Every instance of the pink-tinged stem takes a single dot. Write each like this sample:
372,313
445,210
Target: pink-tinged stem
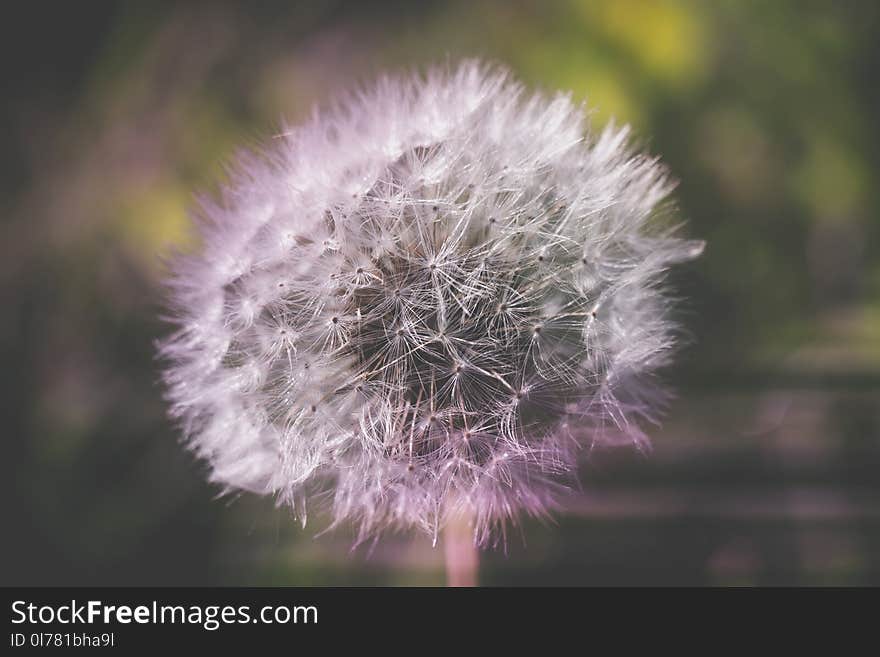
462,557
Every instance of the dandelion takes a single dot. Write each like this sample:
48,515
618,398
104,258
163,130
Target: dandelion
423,304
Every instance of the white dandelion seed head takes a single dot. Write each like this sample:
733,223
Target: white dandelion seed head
425,302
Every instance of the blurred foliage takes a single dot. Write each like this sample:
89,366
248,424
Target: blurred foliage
767,470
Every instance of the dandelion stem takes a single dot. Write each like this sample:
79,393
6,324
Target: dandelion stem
462,557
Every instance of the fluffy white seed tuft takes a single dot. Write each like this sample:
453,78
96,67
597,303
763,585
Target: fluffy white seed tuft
425,302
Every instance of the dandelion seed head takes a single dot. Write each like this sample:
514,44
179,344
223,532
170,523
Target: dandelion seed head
425,301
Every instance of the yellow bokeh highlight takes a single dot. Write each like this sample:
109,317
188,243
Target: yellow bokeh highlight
152,220
665,37
587,76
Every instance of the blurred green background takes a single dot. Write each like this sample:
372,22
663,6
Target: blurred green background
767,469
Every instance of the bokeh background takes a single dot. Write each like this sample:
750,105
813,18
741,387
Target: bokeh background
767,469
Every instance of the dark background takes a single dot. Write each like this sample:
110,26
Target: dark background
767,468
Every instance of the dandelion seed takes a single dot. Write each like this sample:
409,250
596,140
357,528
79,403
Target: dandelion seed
463,290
